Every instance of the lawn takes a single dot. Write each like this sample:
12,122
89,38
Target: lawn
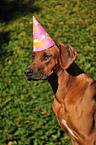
26,116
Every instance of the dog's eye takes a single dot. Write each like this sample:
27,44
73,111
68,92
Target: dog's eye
46,56
33,56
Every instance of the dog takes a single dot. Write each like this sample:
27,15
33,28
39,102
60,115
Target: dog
75,91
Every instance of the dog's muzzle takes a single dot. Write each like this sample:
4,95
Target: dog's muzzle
33,74
28,72
36,74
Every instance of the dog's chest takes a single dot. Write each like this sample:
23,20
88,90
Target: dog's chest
62,117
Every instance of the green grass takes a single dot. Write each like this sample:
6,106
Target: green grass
26,107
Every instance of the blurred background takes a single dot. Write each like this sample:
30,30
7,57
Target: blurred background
26,116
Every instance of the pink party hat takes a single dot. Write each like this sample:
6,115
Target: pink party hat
41,39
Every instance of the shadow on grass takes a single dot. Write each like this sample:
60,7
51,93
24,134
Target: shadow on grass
10,10
4,38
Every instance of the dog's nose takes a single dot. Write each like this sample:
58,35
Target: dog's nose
28,72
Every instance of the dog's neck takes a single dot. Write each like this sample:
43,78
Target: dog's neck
53,80
60,81
67,75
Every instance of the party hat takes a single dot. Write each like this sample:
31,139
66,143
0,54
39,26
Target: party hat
41,39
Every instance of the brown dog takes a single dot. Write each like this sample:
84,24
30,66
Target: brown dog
75,91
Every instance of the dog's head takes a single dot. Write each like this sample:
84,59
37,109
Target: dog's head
50,60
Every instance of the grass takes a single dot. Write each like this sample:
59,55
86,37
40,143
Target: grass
26,107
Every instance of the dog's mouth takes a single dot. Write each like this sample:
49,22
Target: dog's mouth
39,77
37,74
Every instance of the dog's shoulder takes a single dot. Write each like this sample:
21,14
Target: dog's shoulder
90,82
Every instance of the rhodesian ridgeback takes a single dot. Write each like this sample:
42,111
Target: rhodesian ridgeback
75,91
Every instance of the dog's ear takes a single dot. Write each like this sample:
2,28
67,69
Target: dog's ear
67,55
